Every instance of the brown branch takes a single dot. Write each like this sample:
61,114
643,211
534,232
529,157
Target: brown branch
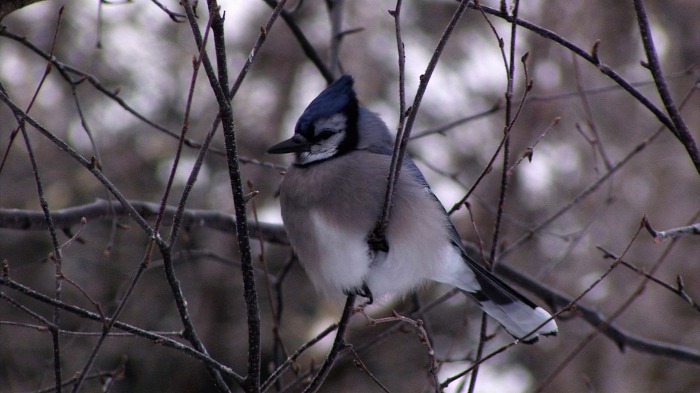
446,127
693,229
274,233
422,337
361,365
151,336
680,129
624,339
101,210
607,71
378,234
338,345
678,290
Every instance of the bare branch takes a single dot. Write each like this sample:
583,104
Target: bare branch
100,209
679,289
607,71
621,337
377,237
422,337
446,127
693,229
680,129
151,336
338,345
304,42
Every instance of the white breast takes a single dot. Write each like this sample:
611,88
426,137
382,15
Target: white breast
342,258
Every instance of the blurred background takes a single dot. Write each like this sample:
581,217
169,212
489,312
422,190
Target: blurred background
581,122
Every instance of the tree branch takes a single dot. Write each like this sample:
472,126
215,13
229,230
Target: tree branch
100,209
607,71
338,346
274,233
153,337
680,129
378,235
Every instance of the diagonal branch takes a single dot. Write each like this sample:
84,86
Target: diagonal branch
304,42
153,337
378,235
338,345
680,130
89,165
592,58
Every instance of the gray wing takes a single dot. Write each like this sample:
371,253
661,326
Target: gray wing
518,315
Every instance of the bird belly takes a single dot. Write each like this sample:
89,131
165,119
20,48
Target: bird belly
413,259
340,259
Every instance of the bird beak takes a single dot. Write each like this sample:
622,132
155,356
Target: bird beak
295,144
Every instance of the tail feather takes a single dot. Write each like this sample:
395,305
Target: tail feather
519,316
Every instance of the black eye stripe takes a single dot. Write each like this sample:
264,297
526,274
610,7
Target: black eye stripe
325,134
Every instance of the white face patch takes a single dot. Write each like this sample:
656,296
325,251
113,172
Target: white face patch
325,148
335,123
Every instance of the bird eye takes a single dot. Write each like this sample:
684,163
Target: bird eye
326,134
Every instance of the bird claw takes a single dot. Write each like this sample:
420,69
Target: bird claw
377,242
362,291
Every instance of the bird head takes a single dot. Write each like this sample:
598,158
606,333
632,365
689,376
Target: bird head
328,126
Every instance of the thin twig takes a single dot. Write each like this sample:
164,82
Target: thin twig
607,71
101,375
338,345
378,235
596,184
680,129
509,64
678,290
275,311
693,229
81,333
264,31
306,46
596,141
607,322
359,363
291,359
423,310
174,16
149,335
446,127
55,256
529,151
422,337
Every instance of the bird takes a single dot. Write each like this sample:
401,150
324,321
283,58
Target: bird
332,196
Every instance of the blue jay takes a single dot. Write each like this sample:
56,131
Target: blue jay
332,197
